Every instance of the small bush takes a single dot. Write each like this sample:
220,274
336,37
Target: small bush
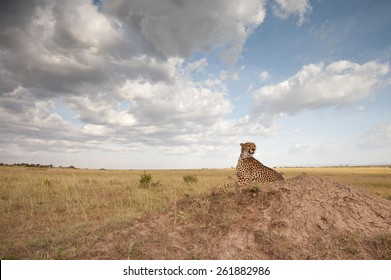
146,181
189,179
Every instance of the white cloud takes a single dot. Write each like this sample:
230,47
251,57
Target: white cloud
214,83
181,103
302,148
100,110
286,8
244,128
95,130
317,86
264,76
198,65
156,113
378,137
27,116
225,76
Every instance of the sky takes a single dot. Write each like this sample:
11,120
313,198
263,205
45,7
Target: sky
176,84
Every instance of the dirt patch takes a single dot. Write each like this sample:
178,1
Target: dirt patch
305,217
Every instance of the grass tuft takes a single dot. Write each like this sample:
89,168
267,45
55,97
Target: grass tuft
190,179
381,245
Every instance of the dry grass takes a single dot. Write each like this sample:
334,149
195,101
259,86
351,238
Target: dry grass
49,213
41,208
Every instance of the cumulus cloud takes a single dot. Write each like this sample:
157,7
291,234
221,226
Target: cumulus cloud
71,47
76,76
57,48
183,100
92,60
286,8
179,28
25,114
136,112
318,85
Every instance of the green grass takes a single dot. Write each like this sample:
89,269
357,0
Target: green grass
46,213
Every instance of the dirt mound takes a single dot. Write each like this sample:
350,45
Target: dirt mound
302,218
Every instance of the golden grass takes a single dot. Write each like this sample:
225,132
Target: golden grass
46,212
42,206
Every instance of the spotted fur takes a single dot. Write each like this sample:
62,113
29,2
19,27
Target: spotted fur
250,170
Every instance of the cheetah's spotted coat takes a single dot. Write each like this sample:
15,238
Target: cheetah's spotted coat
250,170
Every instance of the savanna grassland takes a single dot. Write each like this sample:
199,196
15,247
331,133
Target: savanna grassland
51,213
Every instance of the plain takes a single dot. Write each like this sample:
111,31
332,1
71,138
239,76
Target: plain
48,213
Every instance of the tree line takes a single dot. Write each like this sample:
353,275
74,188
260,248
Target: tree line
36,165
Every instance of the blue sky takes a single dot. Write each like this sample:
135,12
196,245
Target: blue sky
179,84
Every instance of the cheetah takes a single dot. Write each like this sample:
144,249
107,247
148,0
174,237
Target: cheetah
250,170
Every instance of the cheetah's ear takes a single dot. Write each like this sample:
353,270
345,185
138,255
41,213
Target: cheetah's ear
241,144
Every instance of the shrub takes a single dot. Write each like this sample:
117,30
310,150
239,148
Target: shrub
190,179
146,181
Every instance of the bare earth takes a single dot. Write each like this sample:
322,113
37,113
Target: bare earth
305,217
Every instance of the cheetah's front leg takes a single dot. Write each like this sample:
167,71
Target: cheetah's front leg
243,182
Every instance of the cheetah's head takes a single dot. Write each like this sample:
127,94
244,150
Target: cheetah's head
248,149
